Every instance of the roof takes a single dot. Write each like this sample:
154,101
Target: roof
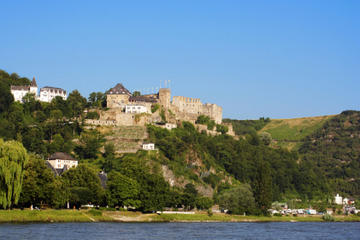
33,82
119,89
61,156
24,88
52,88
142,99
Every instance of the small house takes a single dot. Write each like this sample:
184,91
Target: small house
59,162
135,108
338,199
148,146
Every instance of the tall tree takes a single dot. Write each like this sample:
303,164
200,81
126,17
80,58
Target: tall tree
262,185
76,103
122,190
40,185
13,158
84,185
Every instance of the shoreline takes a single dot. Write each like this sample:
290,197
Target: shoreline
69,216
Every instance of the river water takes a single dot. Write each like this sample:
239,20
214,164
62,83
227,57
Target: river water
186,231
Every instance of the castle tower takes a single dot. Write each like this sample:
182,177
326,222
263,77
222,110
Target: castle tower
33,87
164,97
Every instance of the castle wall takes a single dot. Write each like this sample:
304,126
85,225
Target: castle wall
213,111
117,100
164,97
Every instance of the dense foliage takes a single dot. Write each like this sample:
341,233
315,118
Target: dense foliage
335,149
243,127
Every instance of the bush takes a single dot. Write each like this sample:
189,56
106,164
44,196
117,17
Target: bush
95,212
328,218
92,115
154,107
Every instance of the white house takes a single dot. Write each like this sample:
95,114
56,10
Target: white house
345,201
170,126
338,199
135,109
61,162
20,91
47,94
148,146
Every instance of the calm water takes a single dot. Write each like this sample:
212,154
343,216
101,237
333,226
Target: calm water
188,231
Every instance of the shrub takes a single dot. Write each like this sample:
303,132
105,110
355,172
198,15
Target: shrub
328,218
95,212
154,107
92,115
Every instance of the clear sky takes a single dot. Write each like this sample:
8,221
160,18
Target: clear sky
278,59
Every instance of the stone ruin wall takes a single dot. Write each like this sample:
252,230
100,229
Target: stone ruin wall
117,100
192,108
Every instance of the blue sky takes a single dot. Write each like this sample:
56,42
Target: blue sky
278,59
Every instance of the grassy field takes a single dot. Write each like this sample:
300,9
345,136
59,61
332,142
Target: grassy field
288,133
22,216
19,216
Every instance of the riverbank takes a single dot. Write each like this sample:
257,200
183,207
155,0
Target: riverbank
25,216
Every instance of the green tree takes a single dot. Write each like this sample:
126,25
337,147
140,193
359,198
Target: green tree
136,94
262,186
76,103
84,185
238,200
40,185
265,137
90,143
13,158
204,203
6,98
122,190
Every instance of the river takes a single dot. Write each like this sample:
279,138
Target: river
186,231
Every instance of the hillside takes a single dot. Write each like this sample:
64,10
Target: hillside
335,148
290,133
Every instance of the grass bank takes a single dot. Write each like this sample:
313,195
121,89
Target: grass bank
20,216
23,216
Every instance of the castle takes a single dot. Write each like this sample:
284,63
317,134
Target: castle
177,108
47,94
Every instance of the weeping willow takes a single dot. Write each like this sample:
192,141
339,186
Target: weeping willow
13,158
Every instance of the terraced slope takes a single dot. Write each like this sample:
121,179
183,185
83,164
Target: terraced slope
290,133
126,139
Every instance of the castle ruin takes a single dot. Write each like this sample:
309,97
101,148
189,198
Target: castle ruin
179,108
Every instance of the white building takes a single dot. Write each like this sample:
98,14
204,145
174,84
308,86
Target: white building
20,91
135,109
148,146
170,126
47,94
338,199
61,162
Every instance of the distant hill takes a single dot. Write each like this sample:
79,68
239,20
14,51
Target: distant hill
335,149
290,133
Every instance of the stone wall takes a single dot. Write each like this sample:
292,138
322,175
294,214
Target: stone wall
192,108
164,97
117,100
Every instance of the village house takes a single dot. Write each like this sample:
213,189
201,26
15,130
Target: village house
338,199
60,162
136,108
20,91
148,146
47,94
